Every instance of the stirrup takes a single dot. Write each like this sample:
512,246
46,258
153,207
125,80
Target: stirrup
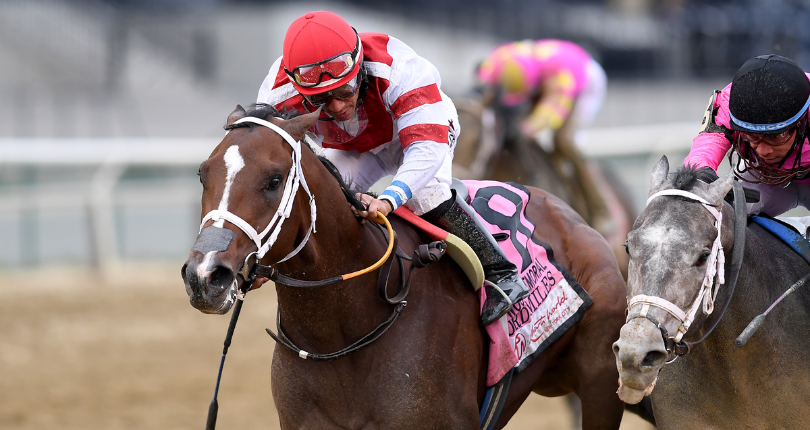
496,306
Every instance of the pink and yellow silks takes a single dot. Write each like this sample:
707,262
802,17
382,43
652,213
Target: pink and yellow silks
522,69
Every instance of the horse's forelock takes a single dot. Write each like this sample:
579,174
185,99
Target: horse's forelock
685,178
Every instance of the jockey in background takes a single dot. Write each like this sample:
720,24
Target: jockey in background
565,87
762,116
383,113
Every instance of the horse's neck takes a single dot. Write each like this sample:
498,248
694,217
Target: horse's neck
768,269
330,315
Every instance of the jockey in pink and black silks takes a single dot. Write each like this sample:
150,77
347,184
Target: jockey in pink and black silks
762,117
383,113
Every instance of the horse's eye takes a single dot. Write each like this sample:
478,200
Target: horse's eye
274,183
626,248
702,259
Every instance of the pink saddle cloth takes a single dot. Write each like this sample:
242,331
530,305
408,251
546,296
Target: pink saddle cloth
556,300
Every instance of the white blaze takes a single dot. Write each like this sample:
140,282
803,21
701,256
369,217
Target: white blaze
234,163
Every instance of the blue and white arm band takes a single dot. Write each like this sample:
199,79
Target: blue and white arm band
397,193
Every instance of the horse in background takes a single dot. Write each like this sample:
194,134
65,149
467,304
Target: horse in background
681,250
428,369
492,147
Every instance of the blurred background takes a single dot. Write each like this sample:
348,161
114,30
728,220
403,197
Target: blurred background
108,107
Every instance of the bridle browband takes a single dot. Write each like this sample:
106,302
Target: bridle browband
675,345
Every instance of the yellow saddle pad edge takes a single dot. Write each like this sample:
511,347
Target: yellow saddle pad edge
464,256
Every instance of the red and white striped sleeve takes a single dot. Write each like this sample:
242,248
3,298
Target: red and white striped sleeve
278,91
414,97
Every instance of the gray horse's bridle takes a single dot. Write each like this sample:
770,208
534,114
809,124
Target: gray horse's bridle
715,270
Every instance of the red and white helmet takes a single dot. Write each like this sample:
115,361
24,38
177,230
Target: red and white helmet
321,52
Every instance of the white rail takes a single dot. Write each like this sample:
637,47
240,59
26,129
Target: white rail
89,152
108,159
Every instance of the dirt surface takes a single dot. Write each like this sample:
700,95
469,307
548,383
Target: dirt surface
79,351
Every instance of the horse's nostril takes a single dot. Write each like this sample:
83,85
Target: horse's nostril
221,278
653,359
183,272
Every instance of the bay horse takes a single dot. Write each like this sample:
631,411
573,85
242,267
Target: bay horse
428,370
684,251
493,147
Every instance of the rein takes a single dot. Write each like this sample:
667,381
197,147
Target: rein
424,255
675,345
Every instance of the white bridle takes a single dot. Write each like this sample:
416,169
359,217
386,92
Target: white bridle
715,266
294,178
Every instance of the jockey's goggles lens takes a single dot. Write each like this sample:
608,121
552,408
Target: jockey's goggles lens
768,139
312,75
342,92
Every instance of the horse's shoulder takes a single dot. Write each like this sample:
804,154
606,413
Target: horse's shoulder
551,213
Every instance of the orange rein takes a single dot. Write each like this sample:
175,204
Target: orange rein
381,219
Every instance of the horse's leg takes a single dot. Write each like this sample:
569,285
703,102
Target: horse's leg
594,362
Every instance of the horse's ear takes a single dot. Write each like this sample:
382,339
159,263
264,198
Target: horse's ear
719,188
236,115
659,174
299,125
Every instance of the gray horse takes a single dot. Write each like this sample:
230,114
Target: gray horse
674,281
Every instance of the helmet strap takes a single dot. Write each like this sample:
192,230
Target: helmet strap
767,174
363,83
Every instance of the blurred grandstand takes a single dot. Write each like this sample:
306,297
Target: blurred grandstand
107,107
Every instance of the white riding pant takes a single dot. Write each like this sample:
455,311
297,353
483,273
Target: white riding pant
589,101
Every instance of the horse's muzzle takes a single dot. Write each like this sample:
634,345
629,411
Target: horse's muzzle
640,355
211,284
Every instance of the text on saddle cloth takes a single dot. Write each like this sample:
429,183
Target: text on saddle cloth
556,300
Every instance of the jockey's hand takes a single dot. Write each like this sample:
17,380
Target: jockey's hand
532,125
372,207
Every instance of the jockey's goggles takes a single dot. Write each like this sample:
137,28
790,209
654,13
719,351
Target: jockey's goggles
311,75
342,92
768,139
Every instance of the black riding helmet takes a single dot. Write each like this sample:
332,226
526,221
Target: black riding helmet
768,95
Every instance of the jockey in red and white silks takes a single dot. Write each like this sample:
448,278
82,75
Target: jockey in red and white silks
403,125
383,113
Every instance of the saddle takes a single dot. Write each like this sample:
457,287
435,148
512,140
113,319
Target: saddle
792,231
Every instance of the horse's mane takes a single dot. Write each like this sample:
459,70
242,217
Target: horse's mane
264,111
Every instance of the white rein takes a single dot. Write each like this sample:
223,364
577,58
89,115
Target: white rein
715,266
294,178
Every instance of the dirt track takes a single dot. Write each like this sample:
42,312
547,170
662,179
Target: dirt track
80,352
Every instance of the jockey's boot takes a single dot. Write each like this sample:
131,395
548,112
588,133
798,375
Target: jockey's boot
505,286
